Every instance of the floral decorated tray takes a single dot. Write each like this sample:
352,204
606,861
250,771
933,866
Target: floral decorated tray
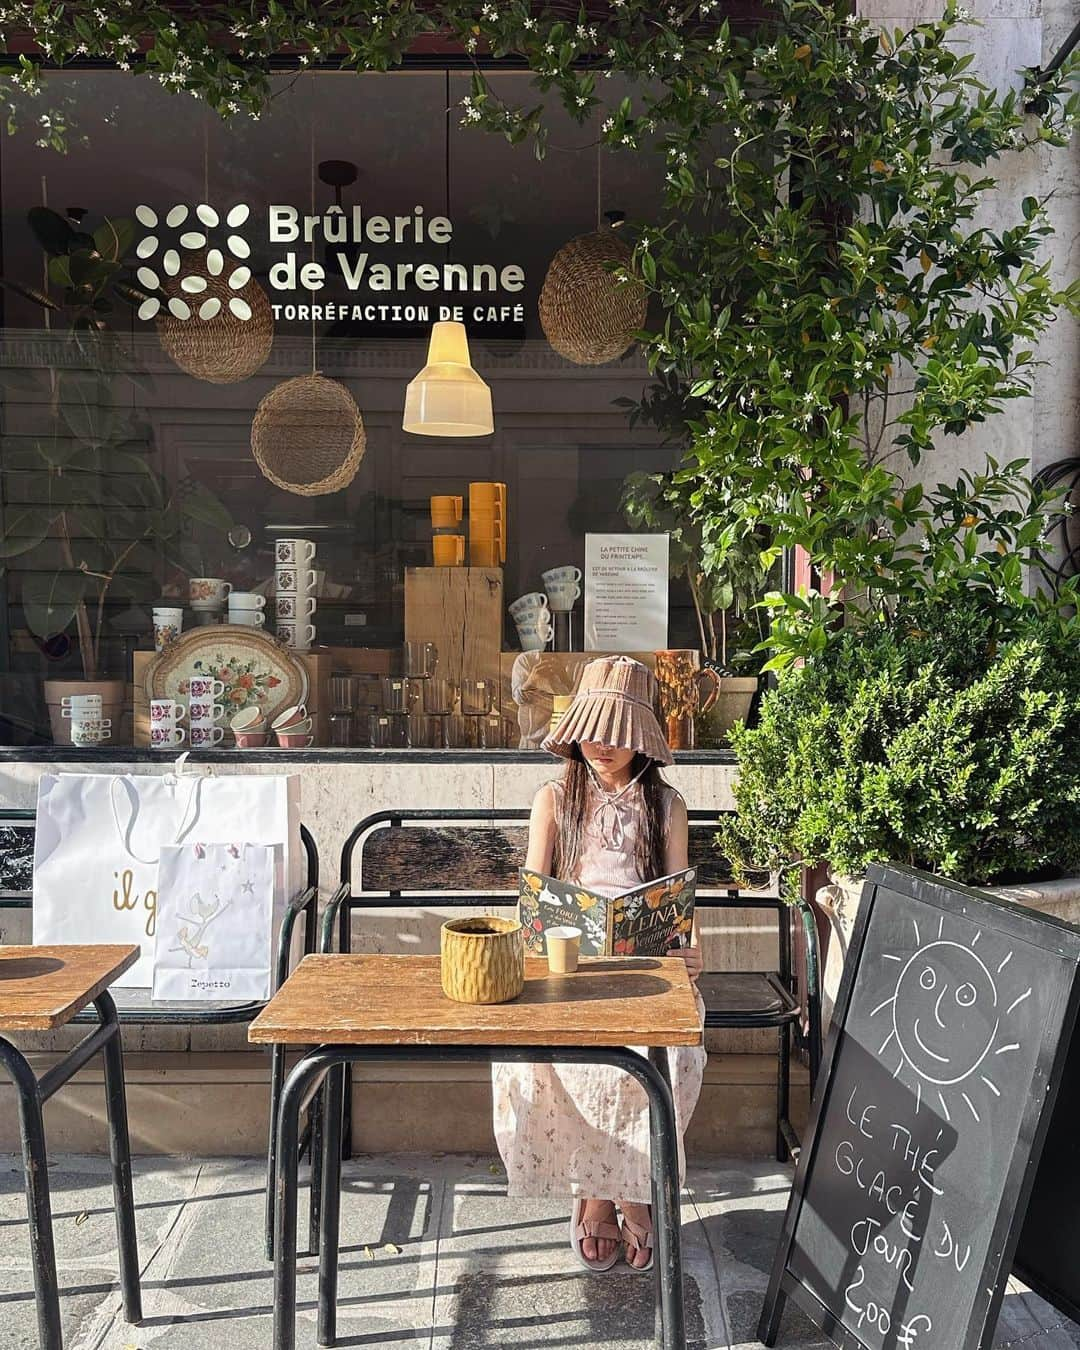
256,669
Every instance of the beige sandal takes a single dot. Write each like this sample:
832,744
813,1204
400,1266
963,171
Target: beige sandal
593,1228
637,1239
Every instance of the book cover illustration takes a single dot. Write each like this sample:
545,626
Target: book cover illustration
648,920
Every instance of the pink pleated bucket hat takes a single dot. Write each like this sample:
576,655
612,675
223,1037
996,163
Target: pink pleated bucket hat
614,705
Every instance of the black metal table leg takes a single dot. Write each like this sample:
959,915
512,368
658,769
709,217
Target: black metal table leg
293,1095
120,1160
39,1210
667,1220
330,1217
652,1073
277,1079
315,1115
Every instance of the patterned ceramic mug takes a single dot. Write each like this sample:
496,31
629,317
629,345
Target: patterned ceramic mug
205,713
206,735
91,731
299,636
303,579
208,592
165,735
202,687
292,605
164,710
294,551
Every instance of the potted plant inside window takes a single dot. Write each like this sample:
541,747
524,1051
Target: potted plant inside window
96,521
726,575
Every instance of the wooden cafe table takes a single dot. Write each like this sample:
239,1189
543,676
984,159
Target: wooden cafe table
356,1007
42,988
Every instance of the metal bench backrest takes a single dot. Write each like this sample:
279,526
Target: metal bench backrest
469,857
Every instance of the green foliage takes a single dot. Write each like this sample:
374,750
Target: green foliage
945,739
829,304
98,505
724,583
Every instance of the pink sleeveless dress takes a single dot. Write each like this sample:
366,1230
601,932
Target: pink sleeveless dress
582,1129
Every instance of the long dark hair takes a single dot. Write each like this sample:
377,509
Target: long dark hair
571,817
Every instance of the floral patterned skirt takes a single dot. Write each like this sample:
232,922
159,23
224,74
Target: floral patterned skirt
583,1129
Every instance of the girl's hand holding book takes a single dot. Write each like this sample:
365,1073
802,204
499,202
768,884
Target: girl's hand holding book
692,957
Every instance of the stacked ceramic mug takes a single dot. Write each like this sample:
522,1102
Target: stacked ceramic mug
205,712
88,726
294,595
246,608
533,618
165,714
563,587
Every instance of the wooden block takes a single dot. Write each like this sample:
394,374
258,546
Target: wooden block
460,609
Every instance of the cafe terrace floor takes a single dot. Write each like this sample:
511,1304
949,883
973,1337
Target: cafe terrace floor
434,1256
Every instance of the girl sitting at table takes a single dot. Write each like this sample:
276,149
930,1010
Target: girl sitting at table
608,824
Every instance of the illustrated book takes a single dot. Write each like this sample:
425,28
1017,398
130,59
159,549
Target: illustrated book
648,920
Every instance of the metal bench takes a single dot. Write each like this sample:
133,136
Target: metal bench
470,858
16,892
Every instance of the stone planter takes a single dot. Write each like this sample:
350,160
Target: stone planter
839,902
113,695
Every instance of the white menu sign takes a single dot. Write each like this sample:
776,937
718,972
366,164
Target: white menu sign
626,592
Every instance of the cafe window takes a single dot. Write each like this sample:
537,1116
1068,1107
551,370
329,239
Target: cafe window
161,424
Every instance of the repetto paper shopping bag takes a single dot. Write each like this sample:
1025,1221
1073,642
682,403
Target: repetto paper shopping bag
215,921
99,838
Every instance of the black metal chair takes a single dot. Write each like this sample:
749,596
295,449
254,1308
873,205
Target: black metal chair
16,881
468,858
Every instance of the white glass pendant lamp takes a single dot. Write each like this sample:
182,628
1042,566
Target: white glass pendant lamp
448,398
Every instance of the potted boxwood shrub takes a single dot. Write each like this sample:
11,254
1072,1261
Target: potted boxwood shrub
725,584
99,521
942,736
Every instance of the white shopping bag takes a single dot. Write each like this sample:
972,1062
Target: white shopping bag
215,921
99,838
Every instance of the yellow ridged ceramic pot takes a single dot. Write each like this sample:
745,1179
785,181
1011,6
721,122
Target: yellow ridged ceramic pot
483,959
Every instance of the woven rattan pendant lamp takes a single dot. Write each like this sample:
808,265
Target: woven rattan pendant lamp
587,314
307,435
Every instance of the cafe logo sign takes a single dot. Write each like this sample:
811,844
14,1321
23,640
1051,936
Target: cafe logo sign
480,291
193,238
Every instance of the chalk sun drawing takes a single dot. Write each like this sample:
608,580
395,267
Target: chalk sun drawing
947,1013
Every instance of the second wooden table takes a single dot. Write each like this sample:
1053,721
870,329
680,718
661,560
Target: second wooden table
392,1007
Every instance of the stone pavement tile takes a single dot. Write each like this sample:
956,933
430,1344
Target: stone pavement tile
741,1207
383,1294
506,1276
84,1233
1030,1322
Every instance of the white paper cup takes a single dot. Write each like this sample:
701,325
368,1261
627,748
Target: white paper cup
563,949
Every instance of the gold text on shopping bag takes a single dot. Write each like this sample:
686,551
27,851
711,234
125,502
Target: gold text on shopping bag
125,897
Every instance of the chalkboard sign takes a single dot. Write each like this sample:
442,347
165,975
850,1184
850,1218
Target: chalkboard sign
953,1021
